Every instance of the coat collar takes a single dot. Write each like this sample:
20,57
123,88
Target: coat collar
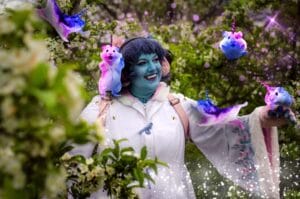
160,95
152,106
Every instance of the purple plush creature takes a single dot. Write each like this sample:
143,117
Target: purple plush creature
233,45
213,114
63,24
111,66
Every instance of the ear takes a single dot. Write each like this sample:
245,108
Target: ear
226,34
165,67
238,35
103,47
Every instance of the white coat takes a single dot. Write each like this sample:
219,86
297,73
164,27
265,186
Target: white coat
239,153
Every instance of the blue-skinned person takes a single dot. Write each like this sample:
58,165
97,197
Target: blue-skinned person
247,153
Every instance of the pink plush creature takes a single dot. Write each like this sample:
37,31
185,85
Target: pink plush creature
111,67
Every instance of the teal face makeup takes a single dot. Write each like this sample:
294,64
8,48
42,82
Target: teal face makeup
146,77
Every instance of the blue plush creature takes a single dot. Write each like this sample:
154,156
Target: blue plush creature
214,114
63,24
233,45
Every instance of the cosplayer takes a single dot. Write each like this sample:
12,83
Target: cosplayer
245,150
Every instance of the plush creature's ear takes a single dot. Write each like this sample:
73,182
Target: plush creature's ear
238,35
226,34
103,47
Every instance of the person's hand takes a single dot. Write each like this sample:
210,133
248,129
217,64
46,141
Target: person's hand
277,116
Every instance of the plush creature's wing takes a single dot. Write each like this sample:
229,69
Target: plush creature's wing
63,24
213,114
51,13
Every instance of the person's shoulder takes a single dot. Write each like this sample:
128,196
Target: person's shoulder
180,96
186,102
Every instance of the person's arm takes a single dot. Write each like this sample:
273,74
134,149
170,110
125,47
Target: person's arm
241,150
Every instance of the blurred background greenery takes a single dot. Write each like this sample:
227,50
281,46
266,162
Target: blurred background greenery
191,30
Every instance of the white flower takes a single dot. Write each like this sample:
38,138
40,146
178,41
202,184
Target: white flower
6,26
66,157
55,183
89,161
95,173
75,104
57,133
83,168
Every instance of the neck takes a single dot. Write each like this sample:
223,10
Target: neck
142,94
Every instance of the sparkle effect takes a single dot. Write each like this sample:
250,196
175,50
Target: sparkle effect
271,22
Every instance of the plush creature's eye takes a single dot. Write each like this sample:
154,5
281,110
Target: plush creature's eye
276,94
106,50
114,51
228,37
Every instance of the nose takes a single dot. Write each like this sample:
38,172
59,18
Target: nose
152,66
232,43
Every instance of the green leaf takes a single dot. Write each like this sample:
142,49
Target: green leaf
48,98
139,175
39,75
78,158
127,149
116,149
148,177
143,153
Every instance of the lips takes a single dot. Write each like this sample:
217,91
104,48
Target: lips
151,77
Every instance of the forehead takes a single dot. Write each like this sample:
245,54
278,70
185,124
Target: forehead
147,56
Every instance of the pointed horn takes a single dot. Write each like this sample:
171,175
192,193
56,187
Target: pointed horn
206,94
233,25
111,40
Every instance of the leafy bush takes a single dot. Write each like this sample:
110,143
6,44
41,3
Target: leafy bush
118,170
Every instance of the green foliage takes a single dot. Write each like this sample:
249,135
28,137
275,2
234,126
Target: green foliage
118,170
273,54
40,105
198,63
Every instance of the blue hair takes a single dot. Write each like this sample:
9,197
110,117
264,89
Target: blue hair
133,48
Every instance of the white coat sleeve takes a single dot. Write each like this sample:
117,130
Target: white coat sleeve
89,114
241,150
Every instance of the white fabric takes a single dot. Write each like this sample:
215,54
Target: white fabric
127,116
268,170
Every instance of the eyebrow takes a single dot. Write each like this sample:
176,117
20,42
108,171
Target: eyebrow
144,59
